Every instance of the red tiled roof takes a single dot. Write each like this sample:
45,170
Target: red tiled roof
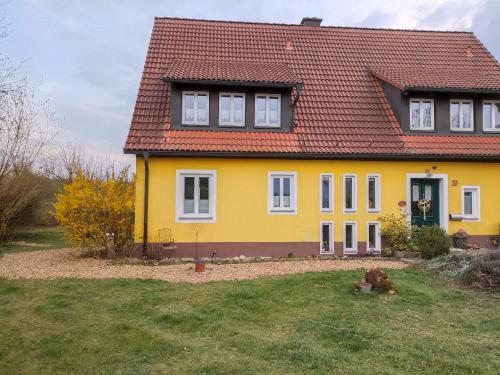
235,71
342,109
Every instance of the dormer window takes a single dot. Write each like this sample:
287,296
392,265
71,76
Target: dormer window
268,110
231,109
422,114
491,116
195,107
461,117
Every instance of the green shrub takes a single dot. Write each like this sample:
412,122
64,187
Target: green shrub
432,241
397,232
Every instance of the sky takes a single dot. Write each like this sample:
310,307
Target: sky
86,56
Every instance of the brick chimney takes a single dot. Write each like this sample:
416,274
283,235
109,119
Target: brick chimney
311,21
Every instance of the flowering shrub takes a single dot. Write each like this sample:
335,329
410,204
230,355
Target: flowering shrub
398,234
98,214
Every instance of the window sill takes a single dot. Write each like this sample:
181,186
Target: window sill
373,211
195,219
350,211
277,126
424,130
231,125
350,251
195,124
282,212
461,130
471,218
491,131
326,211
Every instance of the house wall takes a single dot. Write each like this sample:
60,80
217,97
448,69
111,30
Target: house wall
243,225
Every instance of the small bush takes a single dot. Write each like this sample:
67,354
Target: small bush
484,270
398,234
379,280
432,241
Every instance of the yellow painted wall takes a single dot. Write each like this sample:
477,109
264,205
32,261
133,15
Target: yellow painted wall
242,197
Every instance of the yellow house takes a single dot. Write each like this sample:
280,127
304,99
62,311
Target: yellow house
270,139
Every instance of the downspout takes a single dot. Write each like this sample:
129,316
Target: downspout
146,195
298,89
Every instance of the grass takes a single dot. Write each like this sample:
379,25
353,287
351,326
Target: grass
302,324
51,236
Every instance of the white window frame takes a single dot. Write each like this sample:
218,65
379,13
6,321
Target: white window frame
332,238
180,216
231,122
292,210
354,208
421,121
268,124
195,122
330,176
354,249
476,203
460,102
378,238
492,119
377,208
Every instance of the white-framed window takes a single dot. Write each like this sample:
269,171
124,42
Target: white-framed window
350,193
231,109
461,115
326,192
491,116
195,107
373,237
282,192
421,114
268,110
471,203
350,237
373,192
195,195
327,239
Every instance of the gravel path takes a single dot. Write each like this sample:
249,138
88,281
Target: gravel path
64,263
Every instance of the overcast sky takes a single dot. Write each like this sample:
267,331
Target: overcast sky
86,56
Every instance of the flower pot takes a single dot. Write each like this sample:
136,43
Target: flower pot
199,265
365,288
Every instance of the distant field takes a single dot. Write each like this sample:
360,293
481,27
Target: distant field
49,237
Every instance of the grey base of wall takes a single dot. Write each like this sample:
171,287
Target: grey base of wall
250,249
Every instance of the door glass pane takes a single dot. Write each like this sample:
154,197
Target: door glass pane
225,108
348,236
428,192
325,229
273,110
276,192
487,116
189,107
325,192
238,109
455,115
371,193
189,195
468,203
204,194
415,196
466,115
202,108
348,193
497,116
261,110
372,238
286,192
415,115
426,108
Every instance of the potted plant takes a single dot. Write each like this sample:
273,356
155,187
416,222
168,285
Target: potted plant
363,287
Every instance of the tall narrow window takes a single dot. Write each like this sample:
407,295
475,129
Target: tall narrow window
231,109
282,192
421,114
350,237
491,116
326,193
195,196
373,192
350,193
268,110
195,108
471,202
461,117
326,237
373,240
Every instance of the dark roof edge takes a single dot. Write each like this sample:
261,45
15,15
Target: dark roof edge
455,90
231,83
296,156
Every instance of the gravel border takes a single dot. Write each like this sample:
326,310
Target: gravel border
65,263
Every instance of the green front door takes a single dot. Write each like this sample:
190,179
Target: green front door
424,201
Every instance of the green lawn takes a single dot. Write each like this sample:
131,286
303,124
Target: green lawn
302,324
51,236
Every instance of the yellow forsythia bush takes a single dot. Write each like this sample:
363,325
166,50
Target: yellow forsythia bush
98,214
